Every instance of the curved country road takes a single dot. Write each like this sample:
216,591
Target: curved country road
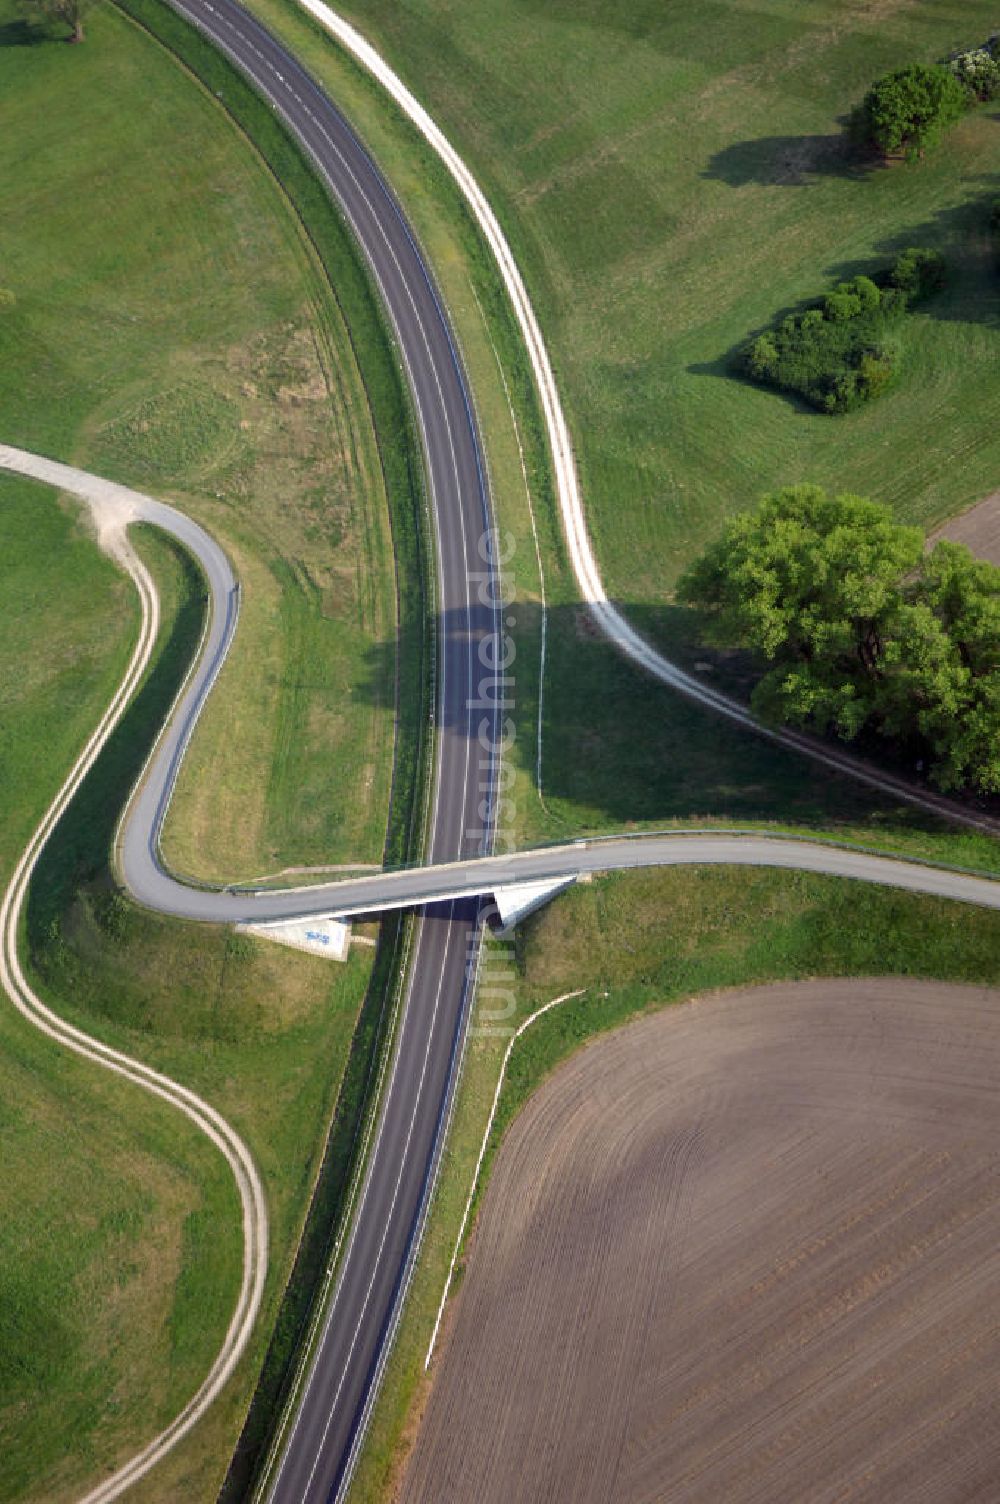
319,1450
442,880
612,622
114,507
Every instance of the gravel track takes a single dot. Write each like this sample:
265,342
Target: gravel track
113,507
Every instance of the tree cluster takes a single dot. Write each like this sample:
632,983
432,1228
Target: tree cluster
908,111
864,631
838,353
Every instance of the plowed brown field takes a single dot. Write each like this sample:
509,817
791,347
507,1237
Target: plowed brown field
744,1251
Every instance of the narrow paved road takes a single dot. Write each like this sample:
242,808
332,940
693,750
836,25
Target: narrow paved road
342,1382
318,1451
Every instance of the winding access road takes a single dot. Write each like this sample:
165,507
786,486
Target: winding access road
317,1453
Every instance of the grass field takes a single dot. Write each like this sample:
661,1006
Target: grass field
184,339
617,750
636,942
669,183
672,178
629,307
121,1249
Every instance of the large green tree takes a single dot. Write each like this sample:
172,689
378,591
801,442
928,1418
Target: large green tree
860,629
908,111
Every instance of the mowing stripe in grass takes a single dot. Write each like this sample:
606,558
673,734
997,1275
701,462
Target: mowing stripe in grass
607,617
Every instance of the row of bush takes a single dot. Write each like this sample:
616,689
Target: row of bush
839,353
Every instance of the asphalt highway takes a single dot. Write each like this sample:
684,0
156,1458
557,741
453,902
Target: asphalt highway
373,1272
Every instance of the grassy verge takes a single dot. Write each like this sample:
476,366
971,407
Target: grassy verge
258,426
118,1217
602,765
392,672
630,215
264,1035
636,942
701,186
407,660
185,339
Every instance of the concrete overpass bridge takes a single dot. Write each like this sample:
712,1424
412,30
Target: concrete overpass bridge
519,883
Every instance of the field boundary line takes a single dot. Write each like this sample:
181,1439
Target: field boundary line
532,1018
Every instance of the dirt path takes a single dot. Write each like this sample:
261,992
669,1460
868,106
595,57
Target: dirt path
978,529
743,1250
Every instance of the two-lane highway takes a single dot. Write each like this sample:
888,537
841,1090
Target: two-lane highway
431,1033
374,1266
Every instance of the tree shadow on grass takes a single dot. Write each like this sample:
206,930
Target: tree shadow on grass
727,366
971,295
971,251
789,161
630,749
619,748
77,853
23,34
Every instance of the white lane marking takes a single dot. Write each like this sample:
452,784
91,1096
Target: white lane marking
471,982
532,1018
373,1158
462,384
317,1317
348,171
233,53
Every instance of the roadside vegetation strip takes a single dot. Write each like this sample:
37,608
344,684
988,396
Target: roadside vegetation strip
612,623
207,361
358,1101
278,1396
348,281
98,970
543,634
210,1122
638,941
